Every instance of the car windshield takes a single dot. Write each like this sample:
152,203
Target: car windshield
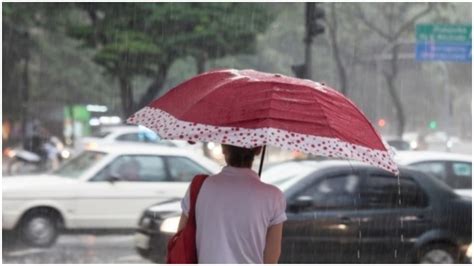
100,134
280,173
284,174
78,165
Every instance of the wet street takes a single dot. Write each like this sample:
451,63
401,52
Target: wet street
76,249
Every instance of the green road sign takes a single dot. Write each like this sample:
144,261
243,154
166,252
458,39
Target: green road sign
451,33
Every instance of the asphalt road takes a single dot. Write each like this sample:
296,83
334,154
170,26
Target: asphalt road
117,249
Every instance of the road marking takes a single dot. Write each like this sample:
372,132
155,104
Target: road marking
25,252
130,258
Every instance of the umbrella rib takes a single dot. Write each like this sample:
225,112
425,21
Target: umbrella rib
323,112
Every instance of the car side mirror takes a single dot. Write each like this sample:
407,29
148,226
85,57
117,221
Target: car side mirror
113,178
301,203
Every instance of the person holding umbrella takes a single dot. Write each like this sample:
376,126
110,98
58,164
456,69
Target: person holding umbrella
239,219
236,218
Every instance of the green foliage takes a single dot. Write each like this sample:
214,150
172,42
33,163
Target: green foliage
167,31
144,39
56,73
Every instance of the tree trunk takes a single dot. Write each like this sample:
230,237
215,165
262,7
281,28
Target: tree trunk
391,78
341,69
25,95
392,36
155,87
201,63
126,95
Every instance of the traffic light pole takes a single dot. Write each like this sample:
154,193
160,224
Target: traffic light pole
308,40
313,28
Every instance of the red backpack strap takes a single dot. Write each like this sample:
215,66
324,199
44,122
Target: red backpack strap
196,185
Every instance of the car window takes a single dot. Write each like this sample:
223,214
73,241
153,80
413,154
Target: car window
335,192
135,168
381,192
280,173
183,169
129,137
462,169
462,176
100,134
149,137
78,165
437,169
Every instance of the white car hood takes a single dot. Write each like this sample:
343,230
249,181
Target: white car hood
33,186
172,206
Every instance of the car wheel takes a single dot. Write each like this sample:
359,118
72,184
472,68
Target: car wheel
439,254
39,229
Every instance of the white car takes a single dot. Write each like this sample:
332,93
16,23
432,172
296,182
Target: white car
453,169
130,134
102,188
124,133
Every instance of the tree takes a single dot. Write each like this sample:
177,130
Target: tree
118,33
144,39
399,19
43,70
17,45
333,30
20,25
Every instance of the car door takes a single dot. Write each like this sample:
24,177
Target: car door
116,195
326,230
395,212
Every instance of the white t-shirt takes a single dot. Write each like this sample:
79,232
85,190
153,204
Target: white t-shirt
234,210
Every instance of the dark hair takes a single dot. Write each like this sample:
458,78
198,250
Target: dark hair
238,156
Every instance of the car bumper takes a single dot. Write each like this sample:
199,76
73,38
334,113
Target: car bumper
152,245
9,220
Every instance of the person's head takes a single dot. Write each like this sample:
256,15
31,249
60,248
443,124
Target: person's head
238,156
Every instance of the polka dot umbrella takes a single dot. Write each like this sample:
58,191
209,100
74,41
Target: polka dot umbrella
248,108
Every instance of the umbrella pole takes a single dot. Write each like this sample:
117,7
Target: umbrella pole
261,160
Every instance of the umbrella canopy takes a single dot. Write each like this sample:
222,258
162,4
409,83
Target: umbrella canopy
248,108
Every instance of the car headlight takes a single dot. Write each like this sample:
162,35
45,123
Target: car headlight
469,252
10,153
91,145
170,225
413,144
217,152
146,222
65,154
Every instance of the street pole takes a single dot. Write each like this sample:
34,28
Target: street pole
25,95
448,101
308,40
313,27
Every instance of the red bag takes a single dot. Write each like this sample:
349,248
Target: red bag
182,246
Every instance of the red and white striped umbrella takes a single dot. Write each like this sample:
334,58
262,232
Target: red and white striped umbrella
248,108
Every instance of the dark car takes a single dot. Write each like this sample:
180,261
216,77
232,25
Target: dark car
340,212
